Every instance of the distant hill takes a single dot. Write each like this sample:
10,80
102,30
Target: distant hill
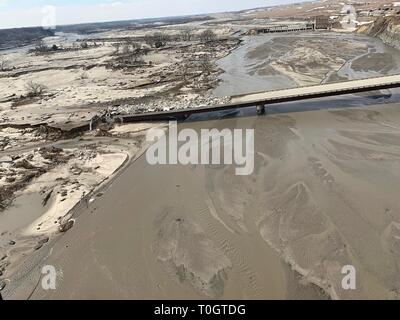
88,28
11,38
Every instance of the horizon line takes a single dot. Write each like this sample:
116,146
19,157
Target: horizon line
150,18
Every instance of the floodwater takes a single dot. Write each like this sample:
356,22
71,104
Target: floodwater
25,209
187,244
58,39
323,195
259,53
16,216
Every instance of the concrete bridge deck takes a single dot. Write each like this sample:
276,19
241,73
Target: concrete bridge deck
286,28
277,96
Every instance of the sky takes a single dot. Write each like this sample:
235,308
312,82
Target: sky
22,13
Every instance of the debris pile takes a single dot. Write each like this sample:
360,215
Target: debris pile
168,105
15,137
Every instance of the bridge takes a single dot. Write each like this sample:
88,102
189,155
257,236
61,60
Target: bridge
262,99
286,28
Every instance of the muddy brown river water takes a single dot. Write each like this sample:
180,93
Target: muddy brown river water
270,62
323,195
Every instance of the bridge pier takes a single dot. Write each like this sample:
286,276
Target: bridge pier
260,109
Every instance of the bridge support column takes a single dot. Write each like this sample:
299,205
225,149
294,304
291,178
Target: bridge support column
260,109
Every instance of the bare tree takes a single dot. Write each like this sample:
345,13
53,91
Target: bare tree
138,56
41,47
134,45
116,45
149,40
206,65
126,49
131,53
145,51
4,65
34,89
185,72
84,75
160,39
187,35
208,36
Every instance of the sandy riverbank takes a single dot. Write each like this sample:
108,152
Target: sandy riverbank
55,182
